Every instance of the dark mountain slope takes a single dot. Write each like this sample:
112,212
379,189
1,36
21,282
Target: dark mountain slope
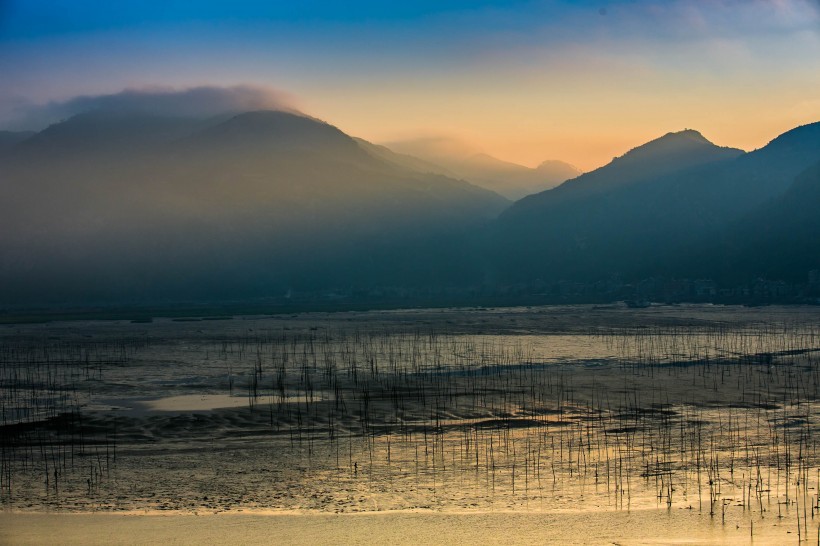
779,240
758,176
619,219
250,204
649,212
662,157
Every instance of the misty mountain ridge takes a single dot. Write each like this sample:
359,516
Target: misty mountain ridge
117,129
134,206
271,196
107,131
658,158
403,160
555,166
296,153
253,155
452,158
649,211
275,131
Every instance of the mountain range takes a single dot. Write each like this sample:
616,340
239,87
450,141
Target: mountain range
652,210
268,197
116,206
452,158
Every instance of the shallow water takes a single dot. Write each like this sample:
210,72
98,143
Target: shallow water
699,410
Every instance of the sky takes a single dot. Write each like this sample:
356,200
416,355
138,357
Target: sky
522,80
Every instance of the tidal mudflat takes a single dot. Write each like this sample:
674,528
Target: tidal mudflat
697,419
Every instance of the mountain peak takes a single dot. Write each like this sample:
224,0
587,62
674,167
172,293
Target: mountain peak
558,168
688,134
261,129
671,144
268,120
669,154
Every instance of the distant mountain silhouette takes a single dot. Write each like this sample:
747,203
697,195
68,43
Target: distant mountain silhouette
759,212
553,169
650,211
274,131
407,161
127,206
508,179
269,197
324,175
617,219
664,156
122,132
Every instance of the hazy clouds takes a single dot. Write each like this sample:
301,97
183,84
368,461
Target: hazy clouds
435,146
199,102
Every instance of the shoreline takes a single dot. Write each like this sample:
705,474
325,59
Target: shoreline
646,526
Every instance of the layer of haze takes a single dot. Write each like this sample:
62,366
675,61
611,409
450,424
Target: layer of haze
196,102
523,81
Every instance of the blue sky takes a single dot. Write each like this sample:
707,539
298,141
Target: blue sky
38,18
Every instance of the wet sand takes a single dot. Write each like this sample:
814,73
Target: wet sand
616,527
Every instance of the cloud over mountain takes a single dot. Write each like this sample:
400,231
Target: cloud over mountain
198,102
